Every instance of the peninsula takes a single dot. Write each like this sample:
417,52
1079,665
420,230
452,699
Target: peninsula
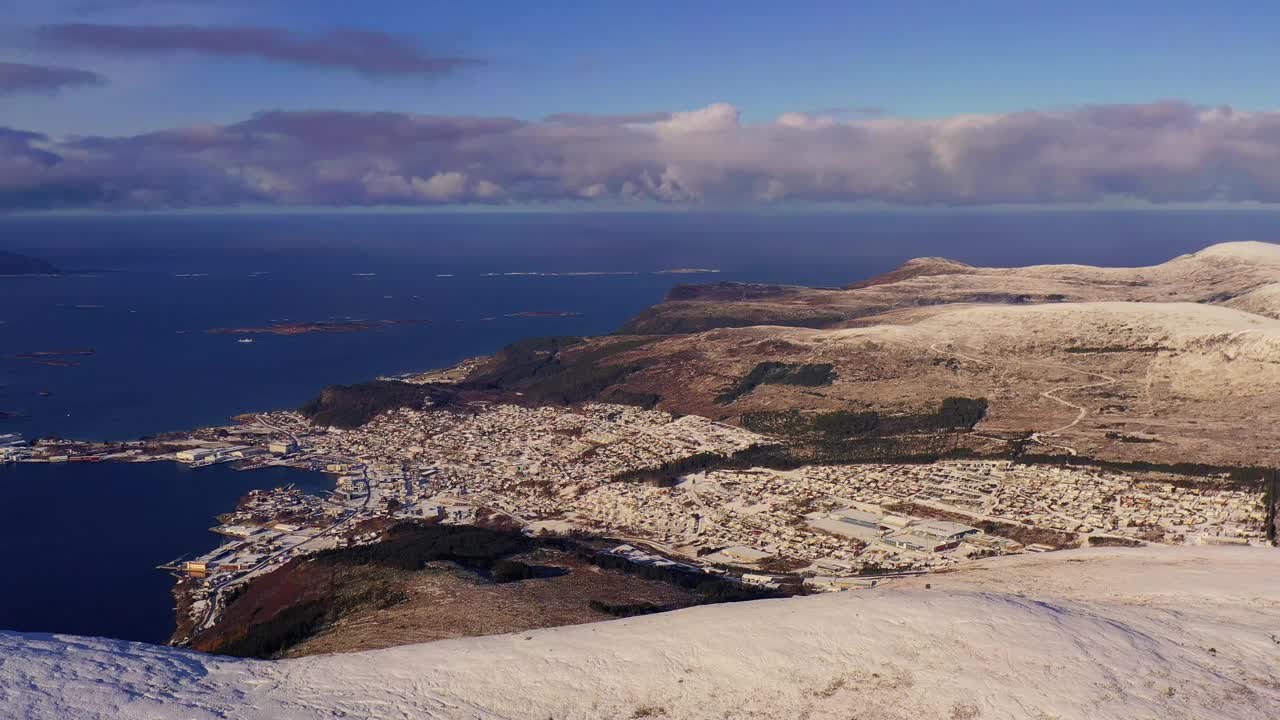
742,441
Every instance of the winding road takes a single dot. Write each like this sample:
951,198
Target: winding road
1051,394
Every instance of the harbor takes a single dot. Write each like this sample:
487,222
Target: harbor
94,532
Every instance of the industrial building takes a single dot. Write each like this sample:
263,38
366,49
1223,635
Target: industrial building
191,455
744,554
860,518
920,543
943,530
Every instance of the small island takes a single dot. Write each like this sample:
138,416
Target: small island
323,326
543,314
54,358
686,271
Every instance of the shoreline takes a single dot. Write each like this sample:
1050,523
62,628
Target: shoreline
93,534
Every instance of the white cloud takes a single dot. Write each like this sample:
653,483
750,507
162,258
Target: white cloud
1159,152
486,190
805,121
720,117
387,186
594,191
441,187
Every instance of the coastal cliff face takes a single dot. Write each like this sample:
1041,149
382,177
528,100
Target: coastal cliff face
1071,635
425,582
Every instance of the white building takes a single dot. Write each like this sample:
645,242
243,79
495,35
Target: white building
191,455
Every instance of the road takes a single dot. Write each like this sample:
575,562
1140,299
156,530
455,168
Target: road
1051,394
1081,410
212,609
292,437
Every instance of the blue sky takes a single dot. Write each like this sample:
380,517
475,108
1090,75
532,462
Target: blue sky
913,59
158,104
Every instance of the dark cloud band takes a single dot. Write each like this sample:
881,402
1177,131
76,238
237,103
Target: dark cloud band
365,51
19,78
1162,152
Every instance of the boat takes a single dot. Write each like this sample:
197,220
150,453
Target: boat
245,340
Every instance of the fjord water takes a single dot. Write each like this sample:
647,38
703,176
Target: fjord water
81,542
161,281
86,538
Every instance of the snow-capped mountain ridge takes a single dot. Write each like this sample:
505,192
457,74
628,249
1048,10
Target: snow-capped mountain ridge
1148,633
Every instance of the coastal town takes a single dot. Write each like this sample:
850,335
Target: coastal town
560,470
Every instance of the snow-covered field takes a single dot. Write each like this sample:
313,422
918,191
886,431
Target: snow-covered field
1126,634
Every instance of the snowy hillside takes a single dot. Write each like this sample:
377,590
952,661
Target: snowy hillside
1125,634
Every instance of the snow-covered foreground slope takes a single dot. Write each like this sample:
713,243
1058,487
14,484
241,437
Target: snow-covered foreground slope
1149,633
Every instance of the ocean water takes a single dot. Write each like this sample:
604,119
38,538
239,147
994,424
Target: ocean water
81,542
155,369
157,283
